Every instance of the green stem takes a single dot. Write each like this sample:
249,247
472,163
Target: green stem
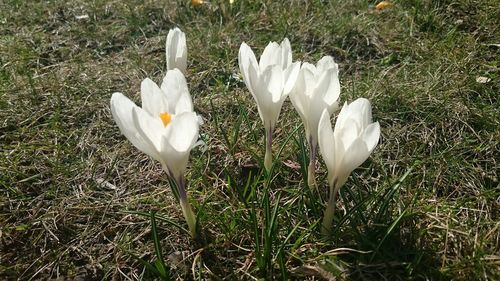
186,207
189,216
326,228
311,169
268,158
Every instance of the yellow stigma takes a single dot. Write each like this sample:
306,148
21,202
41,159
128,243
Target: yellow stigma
166,118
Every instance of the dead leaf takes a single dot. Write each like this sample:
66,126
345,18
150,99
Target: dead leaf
383,5
482,79
291,164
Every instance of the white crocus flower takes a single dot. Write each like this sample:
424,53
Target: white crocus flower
176,50
165,128
317,88
345,147
269,81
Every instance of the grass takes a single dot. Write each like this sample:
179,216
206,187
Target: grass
423,207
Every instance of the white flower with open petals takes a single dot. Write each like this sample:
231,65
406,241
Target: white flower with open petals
165,128
346,147
176,50
317,88
269,81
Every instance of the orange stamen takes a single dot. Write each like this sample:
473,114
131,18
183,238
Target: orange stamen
166,118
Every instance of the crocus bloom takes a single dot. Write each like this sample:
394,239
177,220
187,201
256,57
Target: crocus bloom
269,81
165,128
345,147
176,50
317,88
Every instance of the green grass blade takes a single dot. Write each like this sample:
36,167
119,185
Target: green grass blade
388,232
388,197
236,130
159,217
173,186
160,262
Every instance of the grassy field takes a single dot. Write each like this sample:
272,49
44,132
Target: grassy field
425,206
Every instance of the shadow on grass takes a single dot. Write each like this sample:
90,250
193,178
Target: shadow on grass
401,255
379,237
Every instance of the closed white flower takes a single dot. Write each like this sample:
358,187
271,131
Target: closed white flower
317,88
176,50
269,81
346,147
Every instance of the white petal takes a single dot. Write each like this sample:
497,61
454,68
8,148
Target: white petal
371,135
329,85
170,51
176,50
121,109
175,161
273,78
269,103
181,59
363,109
179,141
312,129
275,111
315,110
321,84
286,54
309,78
246,59
290,77
261,95
343,115
270,56
310,67
348,132
183,131
326,63
299,86
299,97
326,143
151,129
175,88
153,99
355,155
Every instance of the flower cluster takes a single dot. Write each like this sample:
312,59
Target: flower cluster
166,127
314,91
